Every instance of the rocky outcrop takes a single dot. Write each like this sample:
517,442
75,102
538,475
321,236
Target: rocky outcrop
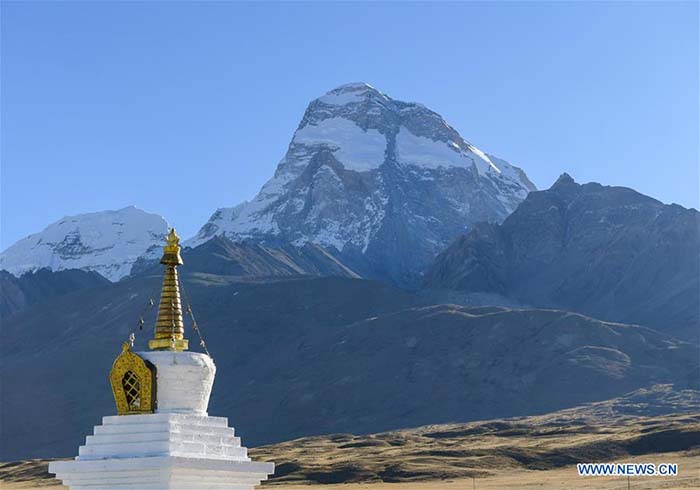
609,252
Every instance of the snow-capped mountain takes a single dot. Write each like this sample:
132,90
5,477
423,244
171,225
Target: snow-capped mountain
386,182
107,242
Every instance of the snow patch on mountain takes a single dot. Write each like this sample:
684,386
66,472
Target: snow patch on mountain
355,148
107,242
426,152
512,172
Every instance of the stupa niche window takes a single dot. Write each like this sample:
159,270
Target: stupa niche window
133,382
132,390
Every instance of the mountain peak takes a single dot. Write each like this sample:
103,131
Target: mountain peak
564,179
356,178
353,87
107,242
351,93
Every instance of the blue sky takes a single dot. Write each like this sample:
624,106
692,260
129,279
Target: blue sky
180,108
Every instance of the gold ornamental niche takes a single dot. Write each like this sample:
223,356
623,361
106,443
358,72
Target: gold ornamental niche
133,382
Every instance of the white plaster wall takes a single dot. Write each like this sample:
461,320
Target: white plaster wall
184,380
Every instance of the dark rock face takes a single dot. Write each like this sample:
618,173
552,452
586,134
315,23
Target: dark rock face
608,252
301,355
19,293
222,256
387,184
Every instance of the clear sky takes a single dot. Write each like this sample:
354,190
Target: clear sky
180,108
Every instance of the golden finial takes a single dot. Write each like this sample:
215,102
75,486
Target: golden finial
170,329
171,255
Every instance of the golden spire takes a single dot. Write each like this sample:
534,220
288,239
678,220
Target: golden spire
170,329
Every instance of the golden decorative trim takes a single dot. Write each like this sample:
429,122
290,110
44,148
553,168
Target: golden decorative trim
133,381
170,328
177,345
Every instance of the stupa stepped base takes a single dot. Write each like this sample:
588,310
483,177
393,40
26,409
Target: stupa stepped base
163,434
161,473
162,451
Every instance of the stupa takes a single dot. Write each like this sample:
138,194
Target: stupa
162,437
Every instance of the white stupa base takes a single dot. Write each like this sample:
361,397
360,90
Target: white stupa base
162,451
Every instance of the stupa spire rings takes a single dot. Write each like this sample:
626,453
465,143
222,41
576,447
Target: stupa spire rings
170,328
